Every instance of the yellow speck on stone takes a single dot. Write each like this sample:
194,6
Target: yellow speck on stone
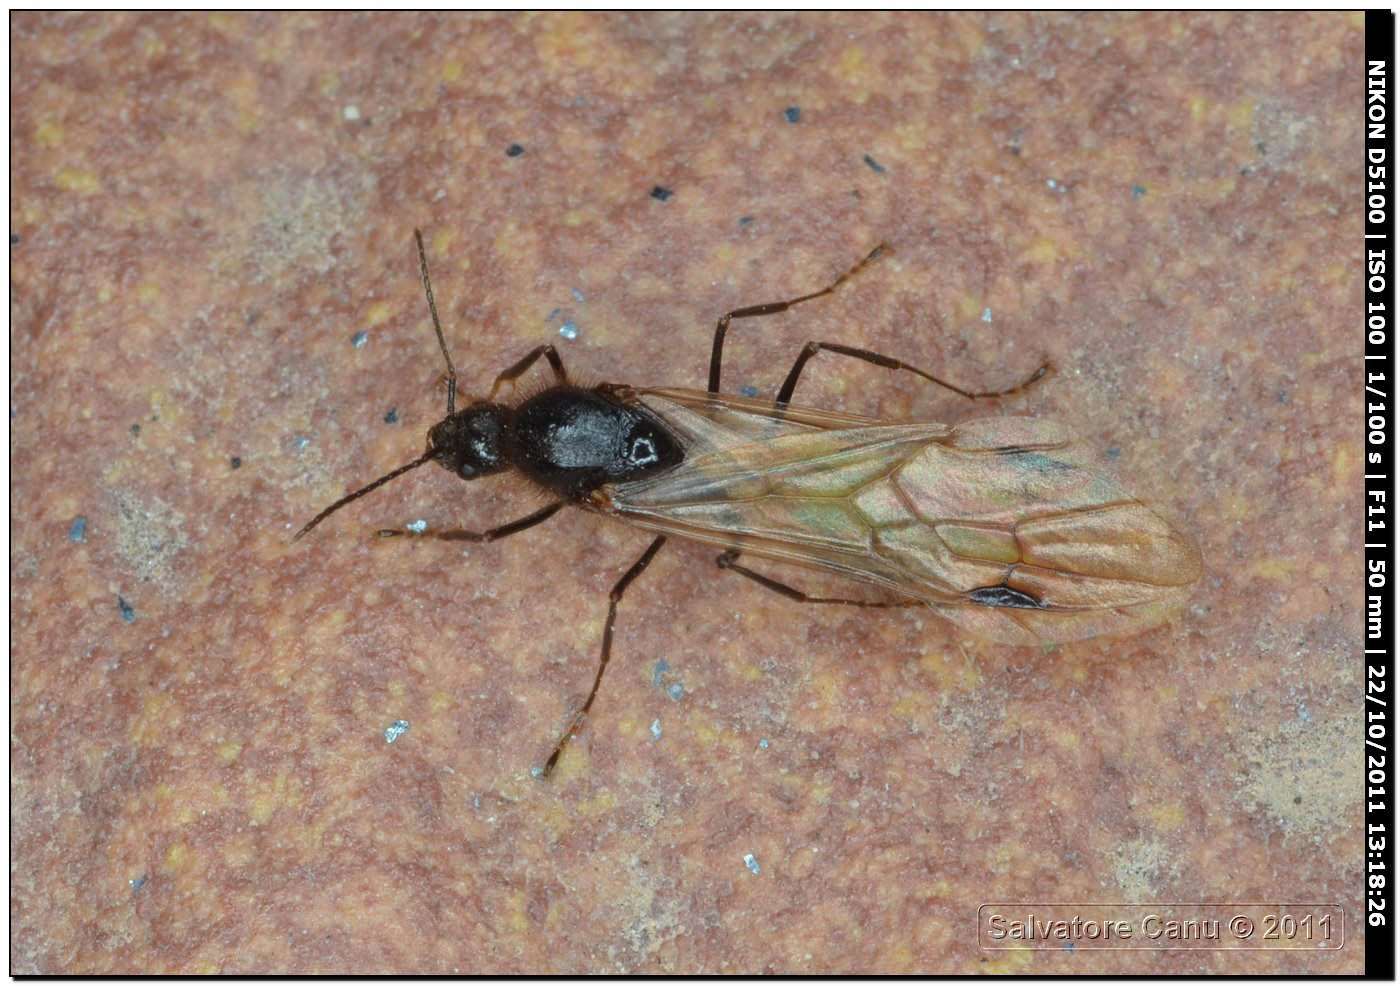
971,36
819,793
1273,567
849,64
1334,273
441,240
601,804
792,784
968,307
440,701
155,719
282,676
104,292
263,807
227,23
519,918
1065,739
1357,18
49,133
1167,817
724,253
1196,108
911,137
229,750
575,217
152,46
1220,189
1236,507
397,689
952,670
913,706
188,812
328,625
177,857
1043,250
206,967
148,291
1344,461
827,688
77,180
1240,115
378,313
1007,963
745,669
451,70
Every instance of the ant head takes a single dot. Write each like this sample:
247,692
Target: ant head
468,442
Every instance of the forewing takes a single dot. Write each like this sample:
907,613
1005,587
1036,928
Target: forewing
1000,523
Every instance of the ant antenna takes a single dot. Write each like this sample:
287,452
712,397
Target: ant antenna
451,405
437,326
393,474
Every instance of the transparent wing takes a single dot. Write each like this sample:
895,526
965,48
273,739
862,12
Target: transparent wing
999,523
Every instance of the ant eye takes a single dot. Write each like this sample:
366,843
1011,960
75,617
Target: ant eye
643,452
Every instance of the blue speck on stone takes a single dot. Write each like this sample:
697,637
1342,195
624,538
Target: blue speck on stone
658,673
300,441
874,165
417,527
77,531
1139,191
745,220
656,729
1113,452
569,330
676,690
395,729
792,113
661,193
578,295
391,416
752,863
763,744
124,607
514,150
359,339
137,883
748,390
986,314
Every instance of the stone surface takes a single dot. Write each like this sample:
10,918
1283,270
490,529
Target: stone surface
206,209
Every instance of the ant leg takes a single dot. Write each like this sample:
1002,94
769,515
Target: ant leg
772,308
480,537
613,598
529,360
728,560
812,348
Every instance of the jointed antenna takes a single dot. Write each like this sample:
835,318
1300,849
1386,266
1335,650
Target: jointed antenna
394,474
437,326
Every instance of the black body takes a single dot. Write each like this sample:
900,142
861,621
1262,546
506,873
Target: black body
568,439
